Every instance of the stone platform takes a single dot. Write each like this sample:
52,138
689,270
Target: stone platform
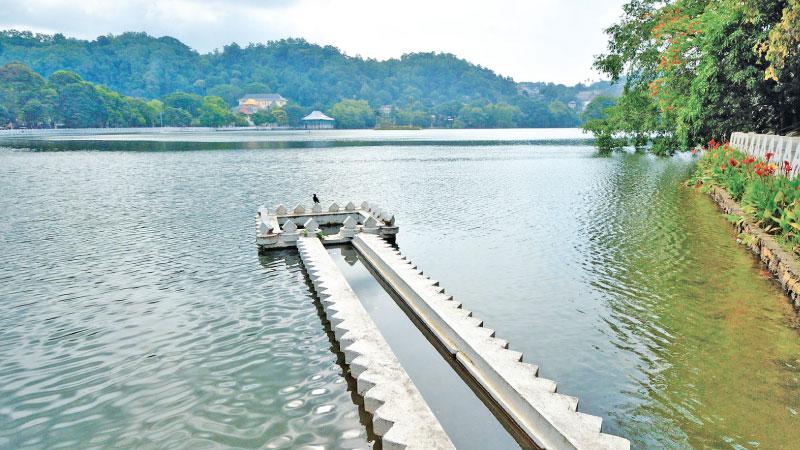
281,228
400,415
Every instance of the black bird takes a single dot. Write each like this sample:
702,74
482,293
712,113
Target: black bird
316,200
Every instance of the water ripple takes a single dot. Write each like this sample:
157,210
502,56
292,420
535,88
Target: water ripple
135,312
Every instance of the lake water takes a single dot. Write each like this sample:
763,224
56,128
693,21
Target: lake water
136,312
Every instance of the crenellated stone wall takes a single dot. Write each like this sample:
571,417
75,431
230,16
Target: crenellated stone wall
283,227
784,148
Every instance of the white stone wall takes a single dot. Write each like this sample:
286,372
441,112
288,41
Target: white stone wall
785,148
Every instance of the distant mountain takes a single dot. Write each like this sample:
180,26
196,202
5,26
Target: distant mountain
312,76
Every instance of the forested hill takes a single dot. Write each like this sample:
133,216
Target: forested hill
314,77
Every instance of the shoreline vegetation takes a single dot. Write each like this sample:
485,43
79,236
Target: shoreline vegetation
766,189
700,70
136,80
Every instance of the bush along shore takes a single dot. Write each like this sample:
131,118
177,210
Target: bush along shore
761,197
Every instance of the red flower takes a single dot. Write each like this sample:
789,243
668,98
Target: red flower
769,155
748,160
722,168
787,168
766,169
733,162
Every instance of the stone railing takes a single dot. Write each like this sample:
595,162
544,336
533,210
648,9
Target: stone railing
783,148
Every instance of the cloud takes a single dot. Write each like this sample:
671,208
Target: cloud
546,40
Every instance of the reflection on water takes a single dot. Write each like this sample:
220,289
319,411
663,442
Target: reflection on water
135,311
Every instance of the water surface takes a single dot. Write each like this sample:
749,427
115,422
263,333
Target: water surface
136,312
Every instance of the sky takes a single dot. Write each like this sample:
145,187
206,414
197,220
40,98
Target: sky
534,40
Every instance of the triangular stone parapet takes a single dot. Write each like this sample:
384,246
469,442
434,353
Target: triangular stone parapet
350,223
299,209
280,210
348,229
350,207
370,225
365,205
317,208
311,225
289,226
334,207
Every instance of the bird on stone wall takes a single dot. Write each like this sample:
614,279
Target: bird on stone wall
316,200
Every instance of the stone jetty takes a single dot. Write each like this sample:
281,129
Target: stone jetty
400,415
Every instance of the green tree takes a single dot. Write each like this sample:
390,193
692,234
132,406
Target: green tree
152,111
502,115
176,117
35,113
62,78
353,114
596,109
186,101
263,117
471,117
81,106
214,112
281,118
227,92
19,85
6,116
562,115
294,114
701,69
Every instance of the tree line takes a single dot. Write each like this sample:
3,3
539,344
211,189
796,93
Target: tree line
64,99
698,70
421,89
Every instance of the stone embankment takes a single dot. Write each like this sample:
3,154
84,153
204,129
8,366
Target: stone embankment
782,265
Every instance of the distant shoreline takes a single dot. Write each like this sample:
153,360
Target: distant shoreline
138,130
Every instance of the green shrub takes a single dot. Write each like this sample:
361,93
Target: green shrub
763,187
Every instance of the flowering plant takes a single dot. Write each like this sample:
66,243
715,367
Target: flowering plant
765,188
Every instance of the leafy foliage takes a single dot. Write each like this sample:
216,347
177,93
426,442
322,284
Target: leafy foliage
701,69
65,99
